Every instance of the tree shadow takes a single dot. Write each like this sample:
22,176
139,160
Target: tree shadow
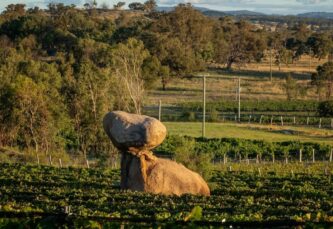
261,74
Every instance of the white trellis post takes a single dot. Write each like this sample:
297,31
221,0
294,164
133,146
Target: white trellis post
261,116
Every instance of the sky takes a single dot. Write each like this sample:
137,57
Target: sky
265,6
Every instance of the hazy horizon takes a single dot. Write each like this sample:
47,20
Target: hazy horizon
283,7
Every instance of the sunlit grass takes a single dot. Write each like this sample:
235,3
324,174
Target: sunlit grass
254,132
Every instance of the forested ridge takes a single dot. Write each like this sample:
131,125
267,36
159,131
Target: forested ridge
63,68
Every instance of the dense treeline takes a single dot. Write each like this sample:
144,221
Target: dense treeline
63,68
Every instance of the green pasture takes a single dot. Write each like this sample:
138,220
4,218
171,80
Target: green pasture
253,132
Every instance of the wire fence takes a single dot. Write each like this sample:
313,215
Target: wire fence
176,113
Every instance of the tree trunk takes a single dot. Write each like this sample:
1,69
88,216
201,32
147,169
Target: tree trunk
329,89
229,65
164,83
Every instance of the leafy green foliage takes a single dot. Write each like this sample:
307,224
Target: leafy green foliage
187,154
239,197
325,109
323,79
183,147
291,87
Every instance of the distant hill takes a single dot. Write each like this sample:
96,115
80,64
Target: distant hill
244,13
247,13
325,15
170,8
217,13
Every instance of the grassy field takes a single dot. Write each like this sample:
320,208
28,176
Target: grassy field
222,86
246,131
255,83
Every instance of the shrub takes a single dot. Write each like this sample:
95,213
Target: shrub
188,116
214,115
187,154
325,109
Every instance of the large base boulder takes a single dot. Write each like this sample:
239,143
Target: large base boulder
134,133
160,176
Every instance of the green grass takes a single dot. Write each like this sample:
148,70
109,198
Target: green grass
257,132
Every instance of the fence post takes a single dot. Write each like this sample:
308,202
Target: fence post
281,121
326,171
257,159
250,119
307,121
273,158
239,99
272,120
259,171
87,163
261,116
313,156
50,160
60,163
67,210
300,155
204,106
160,110
319,123
294,120
331,155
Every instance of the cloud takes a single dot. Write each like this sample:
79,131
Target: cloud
311,2
66,2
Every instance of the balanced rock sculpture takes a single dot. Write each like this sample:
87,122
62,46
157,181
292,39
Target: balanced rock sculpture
135,136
